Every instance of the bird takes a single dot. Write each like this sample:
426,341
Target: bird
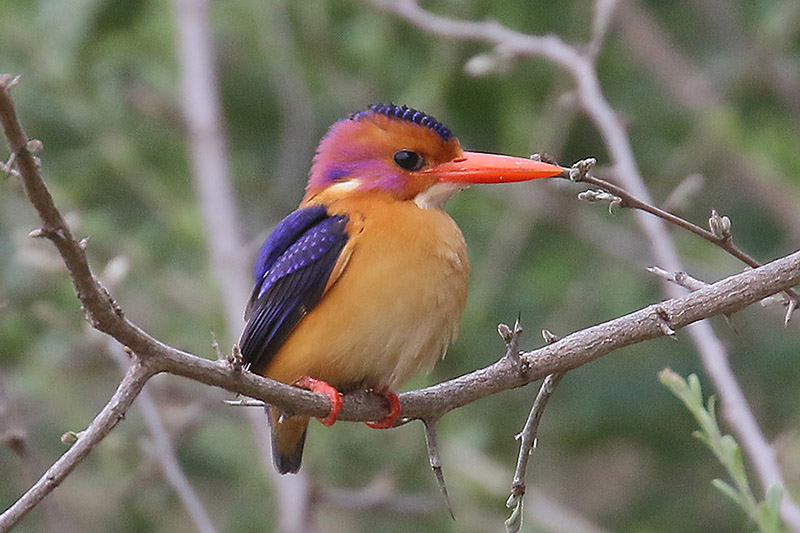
364,284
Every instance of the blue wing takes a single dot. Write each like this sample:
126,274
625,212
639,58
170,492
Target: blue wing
291,273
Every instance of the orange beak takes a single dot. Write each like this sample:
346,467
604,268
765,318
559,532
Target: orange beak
476,167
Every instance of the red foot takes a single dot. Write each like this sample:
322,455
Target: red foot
394,411
323,387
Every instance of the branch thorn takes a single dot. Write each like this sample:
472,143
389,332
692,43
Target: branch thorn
790,308
432,443
511,338
245,402
550,337
215,345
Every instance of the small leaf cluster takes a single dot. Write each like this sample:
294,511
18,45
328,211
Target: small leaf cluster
766,513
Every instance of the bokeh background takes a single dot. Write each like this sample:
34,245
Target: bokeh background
710,93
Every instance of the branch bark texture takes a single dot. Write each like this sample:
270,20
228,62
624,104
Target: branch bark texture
150,356
582,68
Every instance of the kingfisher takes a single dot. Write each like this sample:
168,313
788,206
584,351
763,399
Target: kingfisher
365,283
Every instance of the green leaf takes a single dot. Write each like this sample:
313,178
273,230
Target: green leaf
731,452
695,389
731,493
769,510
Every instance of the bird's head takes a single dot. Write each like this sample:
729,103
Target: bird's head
408,155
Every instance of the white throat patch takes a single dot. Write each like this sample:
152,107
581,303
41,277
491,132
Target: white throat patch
437,195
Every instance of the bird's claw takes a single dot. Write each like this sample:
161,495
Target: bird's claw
323,387
395,409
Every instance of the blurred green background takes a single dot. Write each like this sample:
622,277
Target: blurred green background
710,93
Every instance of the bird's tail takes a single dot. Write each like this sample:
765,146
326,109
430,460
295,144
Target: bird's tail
288,438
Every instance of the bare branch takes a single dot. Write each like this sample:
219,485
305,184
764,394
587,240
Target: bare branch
720,226
436,463
14,435
165,451
380,494
114,411
590,96
8,169
527,442
697,94
217,202
603,12
579,348
152,357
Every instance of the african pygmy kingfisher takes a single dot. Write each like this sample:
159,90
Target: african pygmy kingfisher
365,283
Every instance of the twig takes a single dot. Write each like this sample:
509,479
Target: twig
165,451
8,169
681,278
381,495
688,282
527,442
628,200
151,356
14,435
114,411
474,465
601,21
217,202
436,463
511,338
590,96
697,94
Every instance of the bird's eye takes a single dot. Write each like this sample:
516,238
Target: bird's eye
408,160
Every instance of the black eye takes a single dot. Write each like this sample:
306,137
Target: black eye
409,160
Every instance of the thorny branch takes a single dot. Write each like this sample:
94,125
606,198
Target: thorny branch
527,437
164,450
149,356
216,200
432,442
582,68
719,234
527,442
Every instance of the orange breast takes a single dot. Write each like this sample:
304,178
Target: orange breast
394,308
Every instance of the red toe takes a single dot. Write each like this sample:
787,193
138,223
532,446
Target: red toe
394,411
323,387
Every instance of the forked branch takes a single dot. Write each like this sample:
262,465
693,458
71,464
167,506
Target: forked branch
150,356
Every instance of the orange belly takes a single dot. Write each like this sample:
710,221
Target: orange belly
395,307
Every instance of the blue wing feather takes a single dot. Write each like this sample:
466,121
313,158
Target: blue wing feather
284,235
291,273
